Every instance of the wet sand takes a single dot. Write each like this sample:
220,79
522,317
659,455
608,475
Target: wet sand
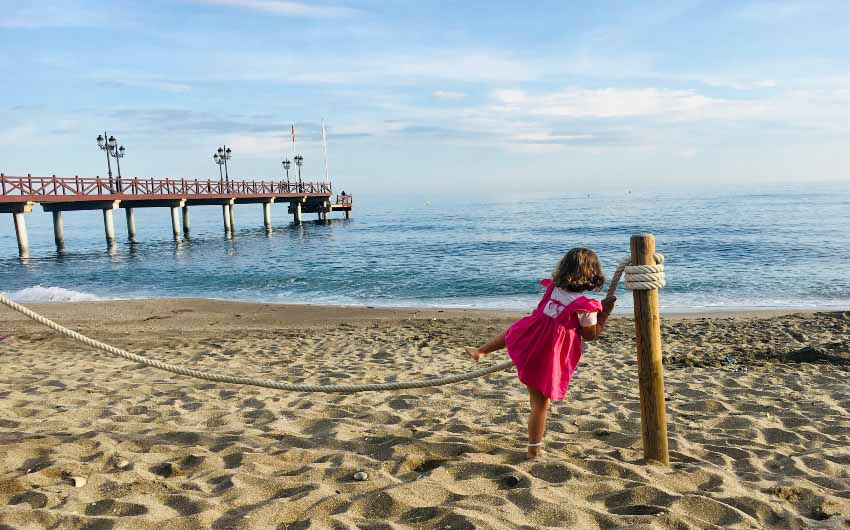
758,413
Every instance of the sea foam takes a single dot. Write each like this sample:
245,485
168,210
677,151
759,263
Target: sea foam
39,293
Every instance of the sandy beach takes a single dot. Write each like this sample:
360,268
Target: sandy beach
758,412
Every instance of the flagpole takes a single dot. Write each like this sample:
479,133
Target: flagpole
325,149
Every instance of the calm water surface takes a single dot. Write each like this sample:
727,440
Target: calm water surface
782,248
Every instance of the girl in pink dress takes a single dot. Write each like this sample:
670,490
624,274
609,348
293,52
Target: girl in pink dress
546,346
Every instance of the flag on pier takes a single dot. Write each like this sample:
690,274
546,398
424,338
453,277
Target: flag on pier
325,149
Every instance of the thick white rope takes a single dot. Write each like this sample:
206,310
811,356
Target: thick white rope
639,277
642,277
265,383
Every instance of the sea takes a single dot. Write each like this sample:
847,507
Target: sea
780,247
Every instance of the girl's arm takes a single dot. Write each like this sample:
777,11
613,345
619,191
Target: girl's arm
593,332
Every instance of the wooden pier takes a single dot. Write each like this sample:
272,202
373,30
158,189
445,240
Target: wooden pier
18,195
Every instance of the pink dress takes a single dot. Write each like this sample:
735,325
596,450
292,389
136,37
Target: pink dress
546,349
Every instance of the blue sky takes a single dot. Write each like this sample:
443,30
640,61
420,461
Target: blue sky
434,96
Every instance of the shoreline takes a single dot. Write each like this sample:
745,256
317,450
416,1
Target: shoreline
60,295
305,313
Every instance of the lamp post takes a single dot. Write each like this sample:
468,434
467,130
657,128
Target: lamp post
221,157
220,161
110,145
119,154
286,165
298,161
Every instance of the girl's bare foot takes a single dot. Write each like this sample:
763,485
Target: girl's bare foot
534,450
475,353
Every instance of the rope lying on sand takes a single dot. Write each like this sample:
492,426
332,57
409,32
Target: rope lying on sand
639,277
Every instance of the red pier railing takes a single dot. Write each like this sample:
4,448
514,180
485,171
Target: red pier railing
48,189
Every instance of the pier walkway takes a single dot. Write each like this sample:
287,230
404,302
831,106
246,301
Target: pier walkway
18,195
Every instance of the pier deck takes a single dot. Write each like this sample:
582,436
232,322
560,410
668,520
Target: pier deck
18,195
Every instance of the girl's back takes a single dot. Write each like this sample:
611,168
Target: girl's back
546,345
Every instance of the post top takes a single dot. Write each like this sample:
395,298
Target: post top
643,249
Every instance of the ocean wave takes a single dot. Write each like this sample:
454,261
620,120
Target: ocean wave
39,293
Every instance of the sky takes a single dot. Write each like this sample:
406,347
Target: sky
433,97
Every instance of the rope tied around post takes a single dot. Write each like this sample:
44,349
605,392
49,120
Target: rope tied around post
639,277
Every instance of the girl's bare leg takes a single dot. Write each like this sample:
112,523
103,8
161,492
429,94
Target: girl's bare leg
496,343
536,421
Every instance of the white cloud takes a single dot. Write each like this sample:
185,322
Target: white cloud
549,138
259,145
511,97
775,11
286,8
735,83
447,95
604,103
52,14
139,80
374,68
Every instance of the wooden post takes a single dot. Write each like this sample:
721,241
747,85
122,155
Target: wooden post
653,417
175,222
108,226
131,224
233,217
225,211
186,221
267,214
348,214
58,230
297,213
21,233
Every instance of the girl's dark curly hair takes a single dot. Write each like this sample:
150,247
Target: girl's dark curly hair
579,270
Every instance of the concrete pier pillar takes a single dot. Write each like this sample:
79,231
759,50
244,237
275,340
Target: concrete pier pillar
21,232
348,214
186,221
131,224
225,210
297,213
58,230
232,217
109,226
267,214
175,222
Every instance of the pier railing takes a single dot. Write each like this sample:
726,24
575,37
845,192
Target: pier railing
53,186
344,199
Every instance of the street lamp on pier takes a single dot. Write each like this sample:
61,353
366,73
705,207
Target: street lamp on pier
298,161
110,145
221,157
286,165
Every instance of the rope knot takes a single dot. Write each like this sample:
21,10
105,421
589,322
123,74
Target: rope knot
639,277
646,277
